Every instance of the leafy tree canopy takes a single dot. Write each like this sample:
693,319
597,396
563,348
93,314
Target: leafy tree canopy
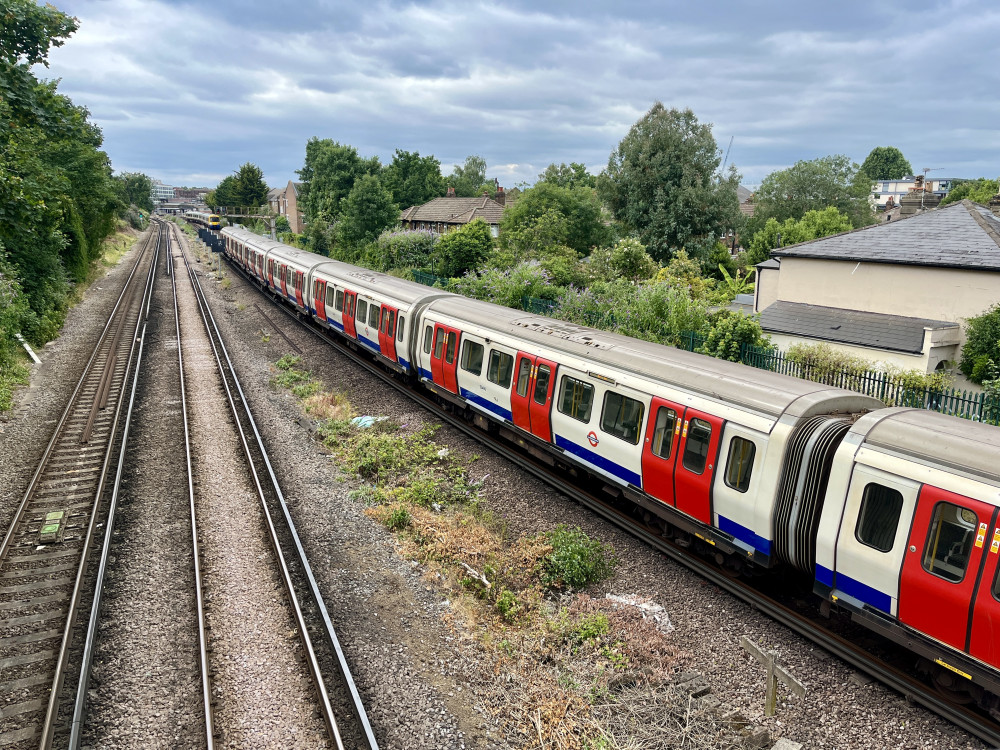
814,186
978,191
627,260
568,175
661,183
135,189
468,178
249,188
328,174
886,163
29,30
813,225
224,194
464,249
413,179
366,212
581,227
981,352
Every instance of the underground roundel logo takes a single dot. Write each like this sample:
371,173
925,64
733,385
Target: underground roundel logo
592,438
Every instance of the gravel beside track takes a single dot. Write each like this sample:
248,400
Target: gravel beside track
424,678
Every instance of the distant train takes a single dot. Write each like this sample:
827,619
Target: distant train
889,515
209,221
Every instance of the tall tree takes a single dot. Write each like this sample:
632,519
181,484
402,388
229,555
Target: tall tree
886,163
249,188
329,173
813,225
468,178
135,189
661,183
578,207
224,194
413,179
813,186
980,190
568,175
367,211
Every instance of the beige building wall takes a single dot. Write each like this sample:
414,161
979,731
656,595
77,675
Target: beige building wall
765,288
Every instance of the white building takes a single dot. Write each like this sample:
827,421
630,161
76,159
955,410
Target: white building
896,189
162,192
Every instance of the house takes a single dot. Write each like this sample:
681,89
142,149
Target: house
883,190
445,214
285,202
897,292
745,197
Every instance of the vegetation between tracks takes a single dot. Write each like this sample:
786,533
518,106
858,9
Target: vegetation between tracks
573,658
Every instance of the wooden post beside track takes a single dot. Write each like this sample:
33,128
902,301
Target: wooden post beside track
774,673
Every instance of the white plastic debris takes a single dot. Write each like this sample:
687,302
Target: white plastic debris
443,452
650,610
367,421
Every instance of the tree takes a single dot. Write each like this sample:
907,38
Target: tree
627,260
29,30
413,179
249,188
813,186
813,225
661,183
328,174
978,191
730,333
579,209
568,175
468,178
135,189
366,212
981,350
886,163
464,249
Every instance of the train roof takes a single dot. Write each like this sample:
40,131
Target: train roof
760,390
941,439
377,282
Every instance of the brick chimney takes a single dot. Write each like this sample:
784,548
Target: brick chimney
451,192
500,197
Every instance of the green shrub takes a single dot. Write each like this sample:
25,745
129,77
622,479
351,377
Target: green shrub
576,560
398,518
288,362
730,333
981,351
508,605
506,286
590,627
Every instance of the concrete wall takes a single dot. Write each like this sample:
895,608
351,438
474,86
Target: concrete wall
765,288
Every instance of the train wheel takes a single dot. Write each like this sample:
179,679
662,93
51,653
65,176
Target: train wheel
952,686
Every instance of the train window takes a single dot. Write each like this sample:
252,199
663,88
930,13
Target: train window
390,325
879,516
542,376
949,541
663,432
428,332
696,446
472,357
621,417
373,313
576,398
331,295
523,376
439,338
739,464
362,311
399,328
338,305
449,354
500,369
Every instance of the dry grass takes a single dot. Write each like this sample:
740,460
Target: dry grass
328,406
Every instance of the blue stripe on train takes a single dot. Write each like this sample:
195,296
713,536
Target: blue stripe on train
600,462
373,345
745,535
853,588
486,404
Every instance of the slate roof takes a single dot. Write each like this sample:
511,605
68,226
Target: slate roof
960,235
876,330
455,211
273,193
742,193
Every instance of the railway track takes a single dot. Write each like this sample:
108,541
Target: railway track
899,678
338,700
46,557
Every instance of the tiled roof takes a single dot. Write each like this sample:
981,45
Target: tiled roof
455,211
876,330
960,235
769,263
274,193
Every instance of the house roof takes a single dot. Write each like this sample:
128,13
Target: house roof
455,211
960,235
742,193
875,330
769,263
274,192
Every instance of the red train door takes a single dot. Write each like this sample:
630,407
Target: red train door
444,357
660,449
270,273
283,273
984,640
350,304
387,332
319,297
943,559
695,465
300,281
531,398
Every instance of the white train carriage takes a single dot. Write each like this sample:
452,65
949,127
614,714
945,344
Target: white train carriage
288,270
658,421
247,250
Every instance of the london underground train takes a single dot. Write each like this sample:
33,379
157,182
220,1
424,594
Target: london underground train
889,514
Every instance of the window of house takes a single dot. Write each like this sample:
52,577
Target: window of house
362,311
428,332
739,464
449,354
696,446
879,516
399,328
663,432
621,417
542,383
523,375
439,343
373,315
576,398
472,357
500,369
949,542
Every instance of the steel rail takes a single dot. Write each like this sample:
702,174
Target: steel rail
62,662
328,630
828,640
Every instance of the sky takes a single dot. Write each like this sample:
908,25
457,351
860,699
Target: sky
186,92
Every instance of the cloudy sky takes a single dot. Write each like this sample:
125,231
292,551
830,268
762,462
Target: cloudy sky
188,91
